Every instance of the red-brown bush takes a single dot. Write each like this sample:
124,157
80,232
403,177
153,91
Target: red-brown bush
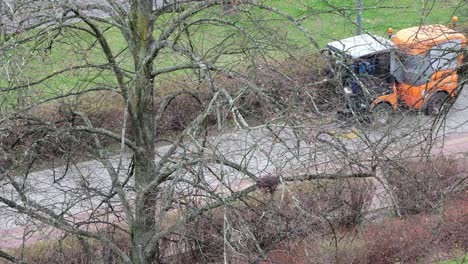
419,237
423,186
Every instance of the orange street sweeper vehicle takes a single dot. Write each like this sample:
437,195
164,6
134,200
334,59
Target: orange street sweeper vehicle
417,69
424,65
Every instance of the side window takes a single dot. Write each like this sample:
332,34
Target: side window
444,56
418,69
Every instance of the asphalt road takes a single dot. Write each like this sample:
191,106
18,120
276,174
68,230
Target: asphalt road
457,119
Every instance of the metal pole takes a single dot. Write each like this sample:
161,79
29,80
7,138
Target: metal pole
359,17
2,33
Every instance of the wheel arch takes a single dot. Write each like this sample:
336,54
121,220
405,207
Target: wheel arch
381,102
390,99
427,100
431,95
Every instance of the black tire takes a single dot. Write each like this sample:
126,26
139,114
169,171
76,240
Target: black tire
436,103
382,113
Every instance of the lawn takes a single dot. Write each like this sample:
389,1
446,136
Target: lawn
378,15
460,260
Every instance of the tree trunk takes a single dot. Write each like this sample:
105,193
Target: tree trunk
142,128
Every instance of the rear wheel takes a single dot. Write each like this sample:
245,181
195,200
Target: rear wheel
382,113
436,103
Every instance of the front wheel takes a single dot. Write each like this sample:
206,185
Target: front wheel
436,104
382,113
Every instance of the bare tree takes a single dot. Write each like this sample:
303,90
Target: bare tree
191,67
142,185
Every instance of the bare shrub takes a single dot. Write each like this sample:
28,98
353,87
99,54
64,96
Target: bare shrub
452,229
398,240
242,233
53,146
423,186
341,203
264,226
426,237
423,238
300,82
198,242
179,113
326,249
58,253
71,250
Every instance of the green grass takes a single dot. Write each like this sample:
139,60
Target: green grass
460,260
325,26
378,15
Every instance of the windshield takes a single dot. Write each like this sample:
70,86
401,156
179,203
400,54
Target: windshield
411,69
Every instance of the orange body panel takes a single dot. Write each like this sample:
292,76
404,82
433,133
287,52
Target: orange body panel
417,40
414,96
392,99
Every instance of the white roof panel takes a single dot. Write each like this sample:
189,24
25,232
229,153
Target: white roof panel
362,45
